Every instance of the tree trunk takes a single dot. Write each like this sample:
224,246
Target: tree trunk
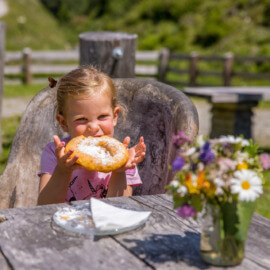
111,52
2,62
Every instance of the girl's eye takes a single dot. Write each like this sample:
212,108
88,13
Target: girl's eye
81,119
103,116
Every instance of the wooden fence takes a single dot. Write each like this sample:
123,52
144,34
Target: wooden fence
35,66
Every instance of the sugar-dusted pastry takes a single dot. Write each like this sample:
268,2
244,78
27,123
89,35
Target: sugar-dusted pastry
103,154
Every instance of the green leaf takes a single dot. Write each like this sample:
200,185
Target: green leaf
245,212
196,203
236,218
178,201
230,218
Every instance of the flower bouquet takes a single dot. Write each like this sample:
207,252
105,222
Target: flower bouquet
221,178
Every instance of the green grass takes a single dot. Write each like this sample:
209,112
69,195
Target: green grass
29,24
22,90
262,204
9,128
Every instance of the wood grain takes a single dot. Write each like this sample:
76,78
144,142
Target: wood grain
96,48
29,239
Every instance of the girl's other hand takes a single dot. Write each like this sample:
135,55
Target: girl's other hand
64,161
136,154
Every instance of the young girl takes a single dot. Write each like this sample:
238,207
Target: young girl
86,105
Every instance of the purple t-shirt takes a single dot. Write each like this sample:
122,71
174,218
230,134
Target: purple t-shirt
84,184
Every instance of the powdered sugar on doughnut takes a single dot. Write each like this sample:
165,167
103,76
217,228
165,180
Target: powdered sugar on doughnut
100,152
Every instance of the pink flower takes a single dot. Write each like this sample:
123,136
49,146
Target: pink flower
180,139
186,211
265,161
226,164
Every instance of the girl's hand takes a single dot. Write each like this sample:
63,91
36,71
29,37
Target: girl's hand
64,161
136,154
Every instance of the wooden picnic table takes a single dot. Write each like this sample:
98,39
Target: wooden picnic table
29,239
232,107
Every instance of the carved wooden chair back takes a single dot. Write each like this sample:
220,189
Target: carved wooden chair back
154,110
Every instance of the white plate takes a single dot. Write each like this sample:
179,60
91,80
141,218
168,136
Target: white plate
79,219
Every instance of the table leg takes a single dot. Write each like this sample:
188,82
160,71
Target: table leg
232,119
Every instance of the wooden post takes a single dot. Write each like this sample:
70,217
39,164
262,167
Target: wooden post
193,69
164,58
2,62
111,52
227,68
27,75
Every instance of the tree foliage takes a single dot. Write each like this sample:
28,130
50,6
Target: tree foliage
209,26
240,26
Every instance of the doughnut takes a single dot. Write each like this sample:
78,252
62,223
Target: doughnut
103,154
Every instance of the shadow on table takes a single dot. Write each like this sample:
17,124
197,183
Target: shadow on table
161,248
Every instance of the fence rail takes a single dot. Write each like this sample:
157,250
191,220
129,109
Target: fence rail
30,66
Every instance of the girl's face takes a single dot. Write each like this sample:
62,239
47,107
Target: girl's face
89,116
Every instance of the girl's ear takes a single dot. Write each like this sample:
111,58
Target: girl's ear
62,122
115,115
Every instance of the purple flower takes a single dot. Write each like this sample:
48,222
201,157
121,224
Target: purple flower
186,211
207,156
178,164
180,138
265,161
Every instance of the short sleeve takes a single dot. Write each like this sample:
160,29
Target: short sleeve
133,177
48,160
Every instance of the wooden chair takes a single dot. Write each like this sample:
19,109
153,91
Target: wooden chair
154,110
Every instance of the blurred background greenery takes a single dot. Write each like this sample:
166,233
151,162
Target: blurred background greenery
209,26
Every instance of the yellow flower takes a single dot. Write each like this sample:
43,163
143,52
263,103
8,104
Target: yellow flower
242,166
192,189
201,181
208,187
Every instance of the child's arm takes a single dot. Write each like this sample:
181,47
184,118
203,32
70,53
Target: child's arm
53,188
118,183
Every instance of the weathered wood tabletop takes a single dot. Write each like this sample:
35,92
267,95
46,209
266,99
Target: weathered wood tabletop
29,239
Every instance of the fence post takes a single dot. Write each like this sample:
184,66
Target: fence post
26,68
193,69
164,58
227,68
112,52
2,62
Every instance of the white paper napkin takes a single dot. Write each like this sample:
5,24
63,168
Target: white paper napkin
110,218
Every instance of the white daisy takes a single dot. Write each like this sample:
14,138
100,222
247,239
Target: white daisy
174,183
182,190
247,185
200,140
219,183
233,140
194,179
190,151
241,156
200,166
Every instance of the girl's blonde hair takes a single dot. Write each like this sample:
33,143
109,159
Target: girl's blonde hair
84,81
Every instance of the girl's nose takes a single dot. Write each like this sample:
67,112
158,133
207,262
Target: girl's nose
93,128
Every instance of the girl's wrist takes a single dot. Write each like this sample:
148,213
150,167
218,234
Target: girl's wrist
63,172
118,172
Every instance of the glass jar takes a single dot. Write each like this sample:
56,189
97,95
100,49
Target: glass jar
224,231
